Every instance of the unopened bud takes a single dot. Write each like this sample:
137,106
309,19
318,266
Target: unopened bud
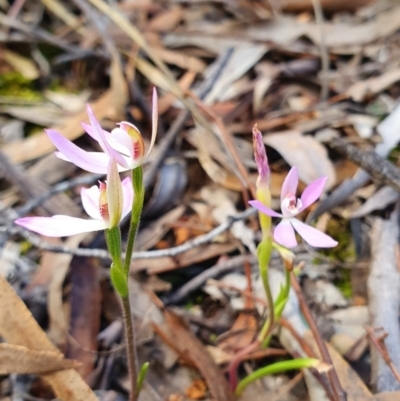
260,157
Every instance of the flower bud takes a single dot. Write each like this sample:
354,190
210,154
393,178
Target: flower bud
263,193
261,159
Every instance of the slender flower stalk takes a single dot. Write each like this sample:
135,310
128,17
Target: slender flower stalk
263,194
137,376
264,250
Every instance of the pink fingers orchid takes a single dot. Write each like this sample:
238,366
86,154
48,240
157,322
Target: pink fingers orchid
125,144
106,204
291,206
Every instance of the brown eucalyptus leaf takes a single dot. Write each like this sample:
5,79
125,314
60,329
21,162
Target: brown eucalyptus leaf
22,360
191,346
18,327
303,151
39,144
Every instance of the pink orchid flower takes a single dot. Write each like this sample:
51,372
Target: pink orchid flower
291,206
107,205
125,144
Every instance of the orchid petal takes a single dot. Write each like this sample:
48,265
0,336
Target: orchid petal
93,132
312,192
95,162
103,140
154,122
313,236
289,186
264,209
94,157
60,226
284,234
113,142
127,193
91,201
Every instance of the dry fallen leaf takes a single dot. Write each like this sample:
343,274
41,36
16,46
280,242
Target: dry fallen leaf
306,153
166,20
197,390
295,6
85,313
70,127
22,360
351,383
192,348
373,85
18,327
21,64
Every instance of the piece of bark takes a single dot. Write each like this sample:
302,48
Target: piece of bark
384,296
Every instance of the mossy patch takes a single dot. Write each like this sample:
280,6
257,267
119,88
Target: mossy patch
15,85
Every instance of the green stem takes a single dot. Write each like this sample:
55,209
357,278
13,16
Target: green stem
277,367
264,254
130,348
137,206
117,274
279,306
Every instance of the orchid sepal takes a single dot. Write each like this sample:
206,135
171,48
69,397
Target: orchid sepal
291,206
64,226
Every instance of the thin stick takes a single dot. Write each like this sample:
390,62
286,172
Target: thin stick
381,348
103,254
337,388
319,18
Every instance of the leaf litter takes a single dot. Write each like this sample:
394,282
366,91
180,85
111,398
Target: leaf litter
273,76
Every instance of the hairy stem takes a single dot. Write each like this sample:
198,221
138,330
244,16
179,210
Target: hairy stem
130,348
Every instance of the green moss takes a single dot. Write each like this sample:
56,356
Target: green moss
343,282
377,108
15,85
345,250
213,338
25,246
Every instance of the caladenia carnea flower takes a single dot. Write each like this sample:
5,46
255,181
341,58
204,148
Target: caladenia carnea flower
106,204
291,206
125,144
